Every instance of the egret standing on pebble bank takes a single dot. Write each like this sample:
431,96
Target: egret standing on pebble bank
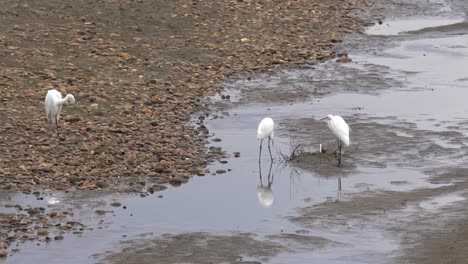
340,129
53,105
265,129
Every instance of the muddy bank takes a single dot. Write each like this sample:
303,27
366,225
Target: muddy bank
428,223
209,248
197,248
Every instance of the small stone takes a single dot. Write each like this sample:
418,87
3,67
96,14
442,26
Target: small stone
100,212
221,171
102,184
58,237
72,118
115,204
176,181
53,214
33,211
42,232
3,253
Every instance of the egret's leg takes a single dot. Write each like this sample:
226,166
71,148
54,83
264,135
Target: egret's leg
260,168
339,152
57,124
260,154
269,149
338,193
340,146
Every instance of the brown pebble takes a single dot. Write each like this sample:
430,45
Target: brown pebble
42,232
100,212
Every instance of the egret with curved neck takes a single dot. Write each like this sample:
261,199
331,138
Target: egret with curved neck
53,106
341,130
265,129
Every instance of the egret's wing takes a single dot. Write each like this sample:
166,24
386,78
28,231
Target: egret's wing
265,128
341,130
51,106
48,105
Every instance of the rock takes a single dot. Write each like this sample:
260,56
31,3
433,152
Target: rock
34,211
100,212
102,184
115,204
158,188
42,232
3,253
72,118
58,237
176,181
52,214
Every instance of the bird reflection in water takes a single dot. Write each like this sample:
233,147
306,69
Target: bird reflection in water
265,192
338,193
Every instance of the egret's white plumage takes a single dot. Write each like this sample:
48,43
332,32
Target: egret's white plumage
266,128
339,128
53,105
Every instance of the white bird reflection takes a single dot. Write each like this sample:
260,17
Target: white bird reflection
52,200
265,192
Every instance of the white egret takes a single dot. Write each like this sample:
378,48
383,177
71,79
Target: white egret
53,105
340,129
265,129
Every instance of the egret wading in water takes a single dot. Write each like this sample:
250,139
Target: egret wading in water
265,129
341,130
53,105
